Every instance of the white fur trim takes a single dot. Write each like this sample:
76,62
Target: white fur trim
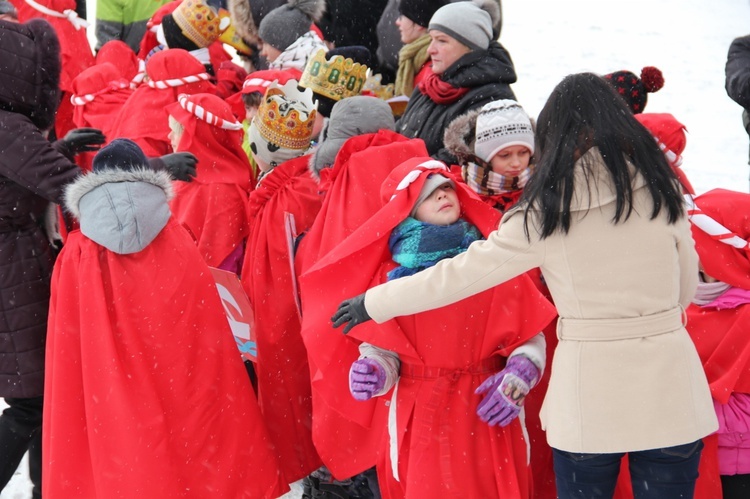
84,184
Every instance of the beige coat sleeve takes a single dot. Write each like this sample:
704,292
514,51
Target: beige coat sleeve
688,262
505,254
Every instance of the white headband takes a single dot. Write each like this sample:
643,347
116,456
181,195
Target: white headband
415,173
82,100
206,116
176,82
712,227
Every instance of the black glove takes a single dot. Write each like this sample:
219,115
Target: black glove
181,165
351,312
80,140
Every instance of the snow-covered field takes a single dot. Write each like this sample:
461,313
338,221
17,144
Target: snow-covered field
686,39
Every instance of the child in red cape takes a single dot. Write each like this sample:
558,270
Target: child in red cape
143,117
719,322
145,393
284,203
212,206
437,444
358,150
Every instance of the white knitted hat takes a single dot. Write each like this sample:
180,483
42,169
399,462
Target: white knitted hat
501,124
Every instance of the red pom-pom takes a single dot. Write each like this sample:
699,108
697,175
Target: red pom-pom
652,78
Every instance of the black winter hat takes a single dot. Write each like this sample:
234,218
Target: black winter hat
120,154
633,89
420,11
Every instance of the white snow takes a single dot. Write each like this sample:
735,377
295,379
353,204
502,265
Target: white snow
686,39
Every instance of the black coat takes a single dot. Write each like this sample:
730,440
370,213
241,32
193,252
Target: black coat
32,173
737,71
486,73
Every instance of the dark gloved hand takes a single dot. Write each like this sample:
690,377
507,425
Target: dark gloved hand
366,378
506,391
351,312
80,140
181,165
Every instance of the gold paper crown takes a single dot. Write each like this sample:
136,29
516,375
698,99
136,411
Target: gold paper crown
374,85
286,116
336,79
199,22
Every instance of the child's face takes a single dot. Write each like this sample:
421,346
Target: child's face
250,112
511,161
441,207
175,133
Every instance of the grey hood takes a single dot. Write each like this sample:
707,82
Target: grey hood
121,210
350,117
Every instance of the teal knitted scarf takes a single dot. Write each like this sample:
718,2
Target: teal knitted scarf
417,245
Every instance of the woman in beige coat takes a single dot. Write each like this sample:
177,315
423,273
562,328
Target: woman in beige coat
603,219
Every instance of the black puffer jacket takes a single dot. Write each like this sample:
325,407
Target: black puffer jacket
32,173
487,74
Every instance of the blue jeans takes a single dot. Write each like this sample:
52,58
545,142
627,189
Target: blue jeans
655,474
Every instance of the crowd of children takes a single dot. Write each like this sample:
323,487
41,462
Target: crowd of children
556,312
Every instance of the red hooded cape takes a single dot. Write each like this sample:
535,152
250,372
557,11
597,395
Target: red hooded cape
98,94
443,448
123,58
212,206
282,369
143,118
145,393
361,165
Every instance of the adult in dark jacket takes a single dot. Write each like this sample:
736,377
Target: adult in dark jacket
470,69
33,174
737,73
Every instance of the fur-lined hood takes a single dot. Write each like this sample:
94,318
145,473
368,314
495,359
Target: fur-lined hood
460,135
30,70
119,209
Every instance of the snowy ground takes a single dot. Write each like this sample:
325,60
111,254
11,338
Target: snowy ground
686,39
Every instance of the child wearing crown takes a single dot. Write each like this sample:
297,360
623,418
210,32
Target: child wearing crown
212,206
283,204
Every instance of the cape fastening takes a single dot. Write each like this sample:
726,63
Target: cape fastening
68,14
206,116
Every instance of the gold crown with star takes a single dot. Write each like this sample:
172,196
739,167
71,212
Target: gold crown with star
336,78
286,116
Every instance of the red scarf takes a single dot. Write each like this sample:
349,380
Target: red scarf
439,91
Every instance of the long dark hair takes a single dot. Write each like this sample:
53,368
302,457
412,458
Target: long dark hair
582,112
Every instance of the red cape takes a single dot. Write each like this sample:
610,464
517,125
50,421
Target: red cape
145,392
360,167
433,458
213,205
282,369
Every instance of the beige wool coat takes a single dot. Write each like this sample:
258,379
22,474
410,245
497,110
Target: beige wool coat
625,375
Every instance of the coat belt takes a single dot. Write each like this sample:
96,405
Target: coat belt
621,328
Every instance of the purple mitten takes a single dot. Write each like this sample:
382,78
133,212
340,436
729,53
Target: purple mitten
506,391
366,378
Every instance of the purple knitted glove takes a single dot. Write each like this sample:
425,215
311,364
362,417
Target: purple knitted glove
366,378
506,391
